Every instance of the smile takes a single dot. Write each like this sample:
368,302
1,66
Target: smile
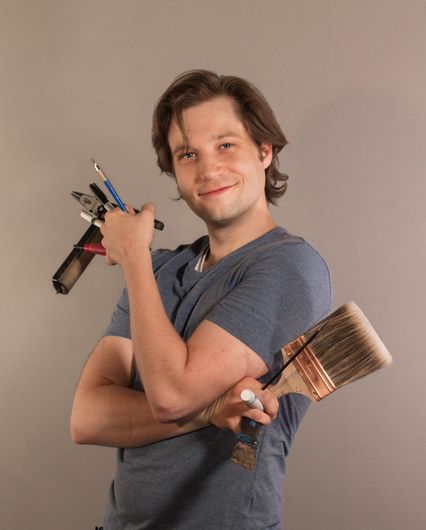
216,191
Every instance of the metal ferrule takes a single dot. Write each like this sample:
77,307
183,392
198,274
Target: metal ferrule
309,369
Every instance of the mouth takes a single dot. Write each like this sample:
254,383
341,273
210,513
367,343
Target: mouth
216,191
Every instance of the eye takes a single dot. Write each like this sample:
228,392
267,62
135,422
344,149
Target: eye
187,155
226,145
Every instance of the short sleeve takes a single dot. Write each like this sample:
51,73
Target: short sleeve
120,321
119,325
281,294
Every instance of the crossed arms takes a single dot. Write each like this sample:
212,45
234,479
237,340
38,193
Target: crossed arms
187,385
107,411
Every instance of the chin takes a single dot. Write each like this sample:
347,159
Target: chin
220,217
220,221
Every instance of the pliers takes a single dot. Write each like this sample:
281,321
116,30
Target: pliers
95,208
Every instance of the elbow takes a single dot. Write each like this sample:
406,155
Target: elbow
80,430
82,435
79,434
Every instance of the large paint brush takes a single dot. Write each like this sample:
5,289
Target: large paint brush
338,350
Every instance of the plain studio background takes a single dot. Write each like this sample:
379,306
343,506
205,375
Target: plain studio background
347,82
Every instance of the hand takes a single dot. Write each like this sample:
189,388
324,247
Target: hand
127,235
228,409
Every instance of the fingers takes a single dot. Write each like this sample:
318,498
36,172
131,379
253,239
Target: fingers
258,415
267,399
241,409
233,422
270,408
228,409
127,234
148,206
148,209
261,405
148,212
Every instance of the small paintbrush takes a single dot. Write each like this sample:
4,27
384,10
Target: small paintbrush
338,350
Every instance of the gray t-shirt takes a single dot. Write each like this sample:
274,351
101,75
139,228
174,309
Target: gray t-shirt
265,293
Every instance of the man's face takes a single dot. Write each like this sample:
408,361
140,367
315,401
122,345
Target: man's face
220,173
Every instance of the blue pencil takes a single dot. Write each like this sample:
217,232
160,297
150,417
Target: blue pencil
109,186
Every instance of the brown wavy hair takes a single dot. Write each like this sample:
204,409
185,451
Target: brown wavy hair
197,86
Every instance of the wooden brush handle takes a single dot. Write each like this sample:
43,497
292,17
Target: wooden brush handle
245,450
290,381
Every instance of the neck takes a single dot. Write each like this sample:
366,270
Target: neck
225,239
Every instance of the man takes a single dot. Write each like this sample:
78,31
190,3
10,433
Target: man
198,324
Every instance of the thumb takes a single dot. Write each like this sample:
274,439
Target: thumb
148,206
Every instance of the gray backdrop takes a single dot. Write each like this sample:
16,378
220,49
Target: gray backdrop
347,82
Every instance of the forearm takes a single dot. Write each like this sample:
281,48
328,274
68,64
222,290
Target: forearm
160,353
115,416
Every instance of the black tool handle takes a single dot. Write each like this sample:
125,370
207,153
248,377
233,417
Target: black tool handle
76,262
158,225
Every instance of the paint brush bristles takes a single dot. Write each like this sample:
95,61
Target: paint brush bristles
349,348
338,350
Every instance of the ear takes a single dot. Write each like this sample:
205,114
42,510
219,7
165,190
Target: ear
266,155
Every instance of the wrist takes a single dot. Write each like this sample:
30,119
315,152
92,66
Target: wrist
137,262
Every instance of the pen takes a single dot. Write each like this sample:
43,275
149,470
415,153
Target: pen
109,186
93,248
251,400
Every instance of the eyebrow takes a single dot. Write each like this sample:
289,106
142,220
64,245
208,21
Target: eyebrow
180,148
228,134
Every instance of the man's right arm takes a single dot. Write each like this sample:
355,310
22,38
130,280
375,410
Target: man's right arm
108,412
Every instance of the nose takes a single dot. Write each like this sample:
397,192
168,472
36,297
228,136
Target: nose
209,166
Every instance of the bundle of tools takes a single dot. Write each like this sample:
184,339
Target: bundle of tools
93,211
